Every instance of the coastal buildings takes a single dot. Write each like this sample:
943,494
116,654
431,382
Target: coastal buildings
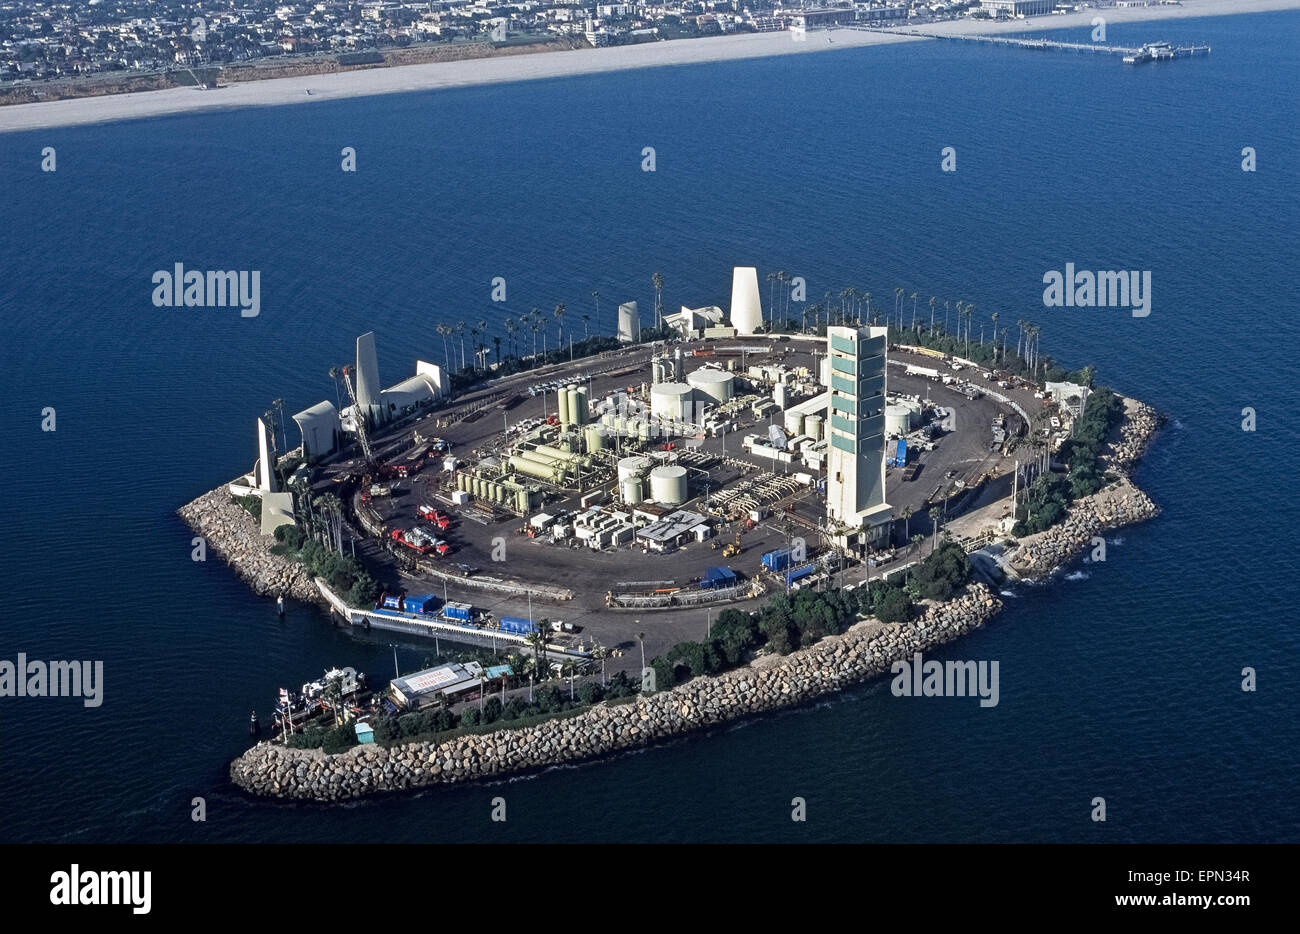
1018,7
855,468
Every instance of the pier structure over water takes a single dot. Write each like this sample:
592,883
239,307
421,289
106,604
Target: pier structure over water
1043,43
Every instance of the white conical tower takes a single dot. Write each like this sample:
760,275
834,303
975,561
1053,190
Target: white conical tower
746,309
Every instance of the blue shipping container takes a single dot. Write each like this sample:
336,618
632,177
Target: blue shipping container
460,611
777,560
517,624
900,459
799,573
392,603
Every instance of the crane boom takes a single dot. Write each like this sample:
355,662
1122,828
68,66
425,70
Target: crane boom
360,417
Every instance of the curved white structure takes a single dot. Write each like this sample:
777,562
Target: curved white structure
746,309
633,466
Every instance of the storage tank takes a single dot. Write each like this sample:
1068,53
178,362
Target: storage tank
578,401
630,490
899,418
794,423
562,408
812,427
658,371
668,485
716,385
643,431
534,469
671,400
521,501
595,438
462,481
633,466
781,395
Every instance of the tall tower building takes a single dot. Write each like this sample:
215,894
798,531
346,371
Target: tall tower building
855,461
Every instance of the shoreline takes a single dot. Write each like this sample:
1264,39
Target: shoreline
506,69
864,652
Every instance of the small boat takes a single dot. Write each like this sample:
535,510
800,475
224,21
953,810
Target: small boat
254,728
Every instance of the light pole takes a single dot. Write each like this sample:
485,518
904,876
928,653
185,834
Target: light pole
396,672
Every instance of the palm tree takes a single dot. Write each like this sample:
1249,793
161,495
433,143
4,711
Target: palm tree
932,301
914,311
935,515
966,313
771,296
946,330
994,316
511,327
595,297
496,342
560,312
600,653
444,330
658,281
908,512
866,297
460,332
535,321
569,670
334,696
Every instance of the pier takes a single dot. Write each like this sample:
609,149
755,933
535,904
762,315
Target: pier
1131,55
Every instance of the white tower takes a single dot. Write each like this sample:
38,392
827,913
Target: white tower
369,392
855,457
746,309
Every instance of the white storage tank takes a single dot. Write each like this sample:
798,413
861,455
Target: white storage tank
793,423
578,402
630,491
781,395
635,466
668,485
563,405
717,385
900,418
671,400
812,427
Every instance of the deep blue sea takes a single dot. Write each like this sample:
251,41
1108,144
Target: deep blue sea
1122,681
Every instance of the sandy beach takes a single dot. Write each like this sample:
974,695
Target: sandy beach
316,88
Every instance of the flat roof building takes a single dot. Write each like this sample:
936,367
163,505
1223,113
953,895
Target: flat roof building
427,687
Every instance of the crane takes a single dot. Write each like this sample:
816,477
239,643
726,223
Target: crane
360,421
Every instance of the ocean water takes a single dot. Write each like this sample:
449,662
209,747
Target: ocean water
1123,681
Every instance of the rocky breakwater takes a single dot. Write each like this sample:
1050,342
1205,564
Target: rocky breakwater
1119,504
868,649
1141,422
233,535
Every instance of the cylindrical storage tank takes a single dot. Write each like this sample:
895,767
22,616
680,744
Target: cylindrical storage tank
643,431
497,494
462,481
595,438
898,419
668,485
657,374
534,469
521,501
717,385
579,403
781,395
671,400
794,423
563,407
631,491
812,427
632,467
